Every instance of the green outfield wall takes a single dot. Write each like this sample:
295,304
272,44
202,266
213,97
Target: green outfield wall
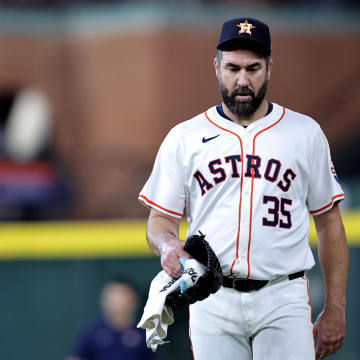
51,275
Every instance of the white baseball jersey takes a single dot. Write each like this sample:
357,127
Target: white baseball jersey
250,190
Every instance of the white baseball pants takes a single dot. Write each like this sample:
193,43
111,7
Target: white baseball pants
273,323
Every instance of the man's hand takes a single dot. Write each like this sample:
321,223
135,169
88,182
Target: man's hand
329,329
208,283
170,252
333,256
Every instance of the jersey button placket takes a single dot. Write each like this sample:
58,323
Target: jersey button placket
245,211
243,248
247,144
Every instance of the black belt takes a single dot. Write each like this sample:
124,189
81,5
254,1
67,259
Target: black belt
246,285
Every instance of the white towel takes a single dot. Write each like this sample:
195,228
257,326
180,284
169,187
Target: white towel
157,316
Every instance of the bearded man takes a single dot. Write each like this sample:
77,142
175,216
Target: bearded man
247,173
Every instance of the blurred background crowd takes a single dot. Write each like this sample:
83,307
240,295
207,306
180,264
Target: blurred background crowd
88,90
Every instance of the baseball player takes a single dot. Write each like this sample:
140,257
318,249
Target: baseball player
247,173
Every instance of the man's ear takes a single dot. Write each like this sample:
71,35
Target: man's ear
216,66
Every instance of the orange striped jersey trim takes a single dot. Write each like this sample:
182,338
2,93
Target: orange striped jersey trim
241,186
144,198
328,205
252,186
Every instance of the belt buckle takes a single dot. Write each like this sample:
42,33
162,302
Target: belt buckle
234,280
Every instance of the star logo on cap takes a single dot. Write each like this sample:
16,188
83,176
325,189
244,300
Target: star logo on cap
245,27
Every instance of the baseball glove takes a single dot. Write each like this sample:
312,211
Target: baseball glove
209,283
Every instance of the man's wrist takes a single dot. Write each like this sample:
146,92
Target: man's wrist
166,242
335,305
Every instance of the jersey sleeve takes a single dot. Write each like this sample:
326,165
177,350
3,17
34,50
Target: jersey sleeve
324,186
165,188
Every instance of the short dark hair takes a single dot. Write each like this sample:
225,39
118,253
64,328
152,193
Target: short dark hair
219,54
122,280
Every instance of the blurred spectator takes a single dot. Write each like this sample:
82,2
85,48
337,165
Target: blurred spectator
114,336
32,183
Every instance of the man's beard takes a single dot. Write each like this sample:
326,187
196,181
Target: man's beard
242,109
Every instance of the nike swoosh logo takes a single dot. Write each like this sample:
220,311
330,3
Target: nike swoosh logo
204,140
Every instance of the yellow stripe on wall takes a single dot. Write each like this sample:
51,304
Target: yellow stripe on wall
102,238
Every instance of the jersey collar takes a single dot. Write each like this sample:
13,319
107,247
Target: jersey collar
220,110
268,120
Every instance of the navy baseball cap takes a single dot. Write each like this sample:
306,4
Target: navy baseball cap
247,32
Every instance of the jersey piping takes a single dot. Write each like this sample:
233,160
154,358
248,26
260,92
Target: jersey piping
241,186
328,205
153,204
252,186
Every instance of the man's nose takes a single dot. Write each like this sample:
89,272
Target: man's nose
242,79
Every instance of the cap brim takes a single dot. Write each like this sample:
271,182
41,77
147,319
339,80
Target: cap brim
243,43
